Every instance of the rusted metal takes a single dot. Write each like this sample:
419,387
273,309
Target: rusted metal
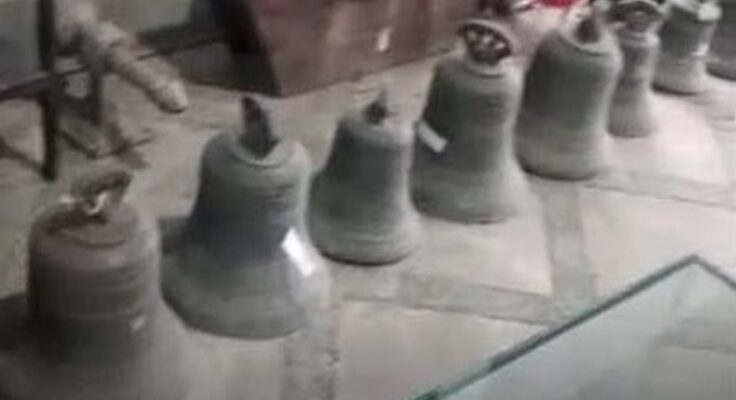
244,266
464,167
360,207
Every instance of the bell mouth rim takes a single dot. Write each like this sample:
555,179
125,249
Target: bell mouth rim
279,155
22,350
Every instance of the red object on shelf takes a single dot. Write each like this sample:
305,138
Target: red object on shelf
558,3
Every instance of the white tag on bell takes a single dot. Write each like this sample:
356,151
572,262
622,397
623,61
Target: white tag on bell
430,138
298,252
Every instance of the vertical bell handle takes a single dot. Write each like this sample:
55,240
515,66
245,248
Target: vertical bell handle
97,194
486,42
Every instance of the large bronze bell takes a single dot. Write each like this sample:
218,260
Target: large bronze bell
97,328
244,266
722,60
464,167
631,111
360,208
569,88
686,37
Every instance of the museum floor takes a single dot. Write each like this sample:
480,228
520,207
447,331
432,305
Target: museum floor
470,290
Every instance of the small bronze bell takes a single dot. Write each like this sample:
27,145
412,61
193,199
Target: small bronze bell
631,111
722,60
686,37
244,267
464,167
569,88
360,207
98,327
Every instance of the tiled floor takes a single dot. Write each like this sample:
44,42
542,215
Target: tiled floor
470,290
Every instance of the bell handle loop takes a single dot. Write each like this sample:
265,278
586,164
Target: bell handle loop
258,135
590,28
621,9
480,31
378,110
97,195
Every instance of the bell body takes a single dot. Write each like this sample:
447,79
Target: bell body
686,37
244,266
563,121
360,206
631,111
722,61
99,327
464,167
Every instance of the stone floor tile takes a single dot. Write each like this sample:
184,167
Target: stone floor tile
510,255
252,367
393,353
684,145
630,236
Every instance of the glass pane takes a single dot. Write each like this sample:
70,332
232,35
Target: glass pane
675,340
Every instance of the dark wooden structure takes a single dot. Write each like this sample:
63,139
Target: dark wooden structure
299,45
45,85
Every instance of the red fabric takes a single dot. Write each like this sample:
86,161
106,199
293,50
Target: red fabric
558,3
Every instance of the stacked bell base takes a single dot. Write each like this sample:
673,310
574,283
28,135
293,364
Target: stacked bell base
722,67
473,199
680,77
249,302
632,119
553,160
167,371
342,242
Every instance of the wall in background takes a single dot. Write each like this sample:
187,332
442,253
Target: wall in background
151,15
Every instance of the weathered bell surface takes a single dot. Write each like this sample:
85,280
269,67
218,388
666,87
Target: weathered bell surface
686,37
722,61
464,167
244,266
631,111
569,89
98,328
360,207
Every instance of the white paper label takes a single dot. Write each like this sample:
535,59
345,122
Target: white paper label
297,251
383,41
430,138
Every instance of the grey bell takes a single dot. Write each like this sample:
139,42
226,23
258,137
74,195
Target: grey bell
464,166
722,60
244,266
686,37
360,207
569,89
631,111
97,328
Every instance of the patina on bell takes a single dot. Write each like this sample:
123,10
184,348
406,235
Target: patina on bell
360,207
631,111
97,326
464,167
244,266
722,60
562,125
686,37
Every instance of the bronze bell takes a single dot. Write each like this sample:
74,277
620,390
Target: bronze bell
569,88
244,266
360,207
686,37
464,167
722,61
631,111
98,328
